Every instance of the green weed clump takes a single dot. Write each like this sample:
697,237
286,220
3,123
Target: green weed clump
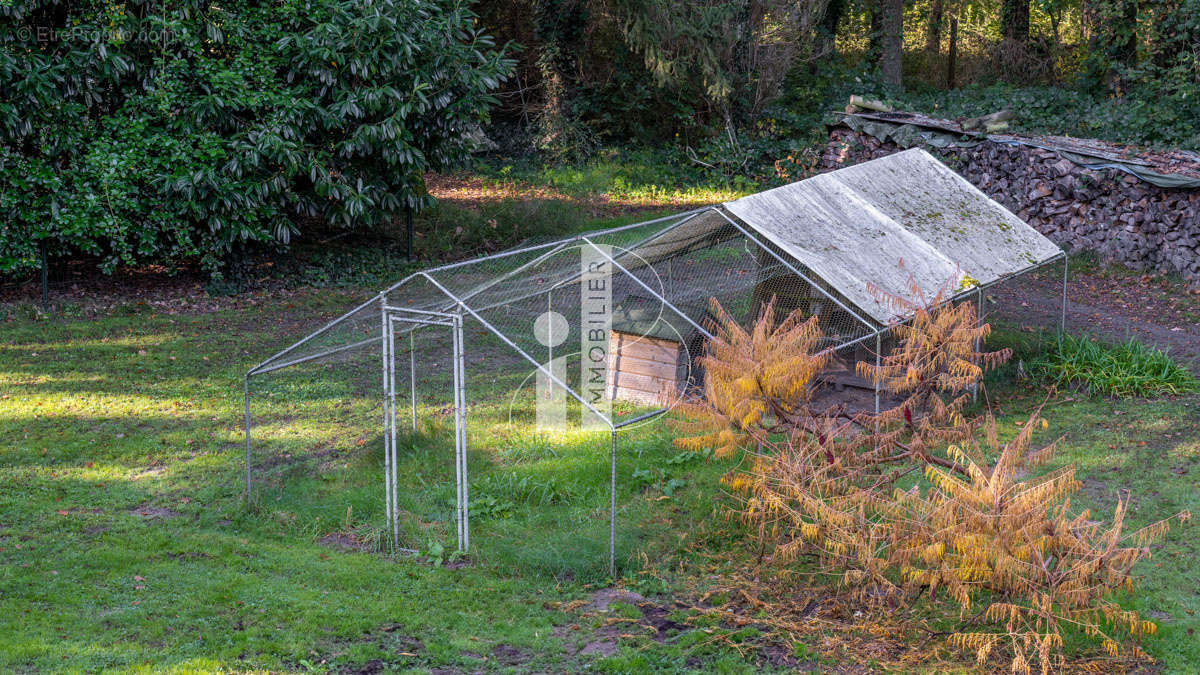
1129,369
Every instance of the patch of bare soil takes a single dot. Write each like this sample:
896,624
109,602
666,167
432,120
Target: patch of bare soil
151,512
345,541
389,639
508,655
653,620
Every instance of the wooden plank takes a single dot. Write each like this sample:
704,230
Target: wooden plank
643,347
638,396
642,382
630,364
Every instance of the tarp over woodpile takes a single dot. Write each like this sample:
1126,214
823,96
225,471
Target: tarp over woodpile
905,219
1176,169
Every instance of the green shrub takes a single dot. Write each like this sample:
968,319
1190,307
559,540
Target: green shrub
168,131
1128,369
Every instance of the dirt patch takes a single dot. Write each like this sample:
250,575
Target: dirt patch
345,541
509,655
473,192
389,639
604,597
1111,305
150,512
653,620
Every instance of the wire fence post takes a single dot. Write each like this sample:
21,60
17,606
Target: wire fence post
412,375
246,421
389,394
460,439
612,507
1062,321
978,340
878,349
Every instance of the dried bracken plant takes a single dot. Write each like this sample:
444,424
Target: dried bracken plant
937,359
1016,548
756,383
982,535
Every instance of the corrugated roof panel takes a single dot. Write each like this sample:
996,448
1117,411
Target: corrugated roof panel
944,209
892,222
846,241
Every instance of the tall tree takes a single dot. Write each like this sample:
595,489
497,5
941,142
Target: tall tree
827,27
892,29
933,30
1014,20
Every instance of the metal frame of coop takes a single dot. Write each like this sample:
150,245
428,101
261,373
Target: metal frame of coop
448,307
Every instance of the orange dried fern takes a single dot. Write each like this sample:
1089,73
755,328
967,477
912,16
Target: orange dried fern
821,484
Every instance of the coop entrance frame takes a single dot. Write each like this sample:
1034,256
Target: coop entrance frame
415,319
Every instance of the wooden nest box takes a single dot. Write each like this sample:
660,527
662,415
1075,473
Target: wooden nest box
648,361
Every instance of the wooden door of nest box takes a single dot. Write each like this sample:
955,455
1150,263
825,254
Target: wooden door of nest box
642,369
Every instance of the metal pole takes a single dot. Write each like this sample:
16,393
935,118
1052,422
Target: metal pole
878,349
393,492
412,376
246,403
1062,324
462,435
460,459
385,334
612,508
978,341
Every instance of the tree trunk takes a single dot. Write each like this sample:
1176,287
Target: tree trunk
827,27
1014,19
933,32
1126,51
892,33
875,38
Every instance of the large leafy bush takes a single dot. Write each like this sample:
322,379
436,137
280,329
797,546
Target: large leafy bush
185,129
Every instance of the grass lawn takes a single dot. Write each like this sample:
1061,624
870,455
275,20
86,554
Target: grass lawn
125,542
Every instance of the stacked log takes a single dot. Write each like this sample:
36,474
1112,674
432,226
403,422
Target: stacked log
1119,216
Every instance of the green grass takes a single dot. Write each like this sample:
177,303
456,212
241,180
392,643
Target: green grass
1120,370
626,176
125,543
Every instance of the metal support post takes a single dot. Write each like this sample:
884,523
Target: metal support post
246,403
612,508
1062,322
878,349
389,395
412,375
978,341
460,440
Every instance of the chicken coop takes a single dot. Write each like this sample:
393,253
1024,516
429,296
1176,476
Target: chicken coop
605,329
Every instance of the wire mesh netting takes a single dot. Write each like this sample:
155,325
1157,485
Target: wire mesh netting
1027,311
479,402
